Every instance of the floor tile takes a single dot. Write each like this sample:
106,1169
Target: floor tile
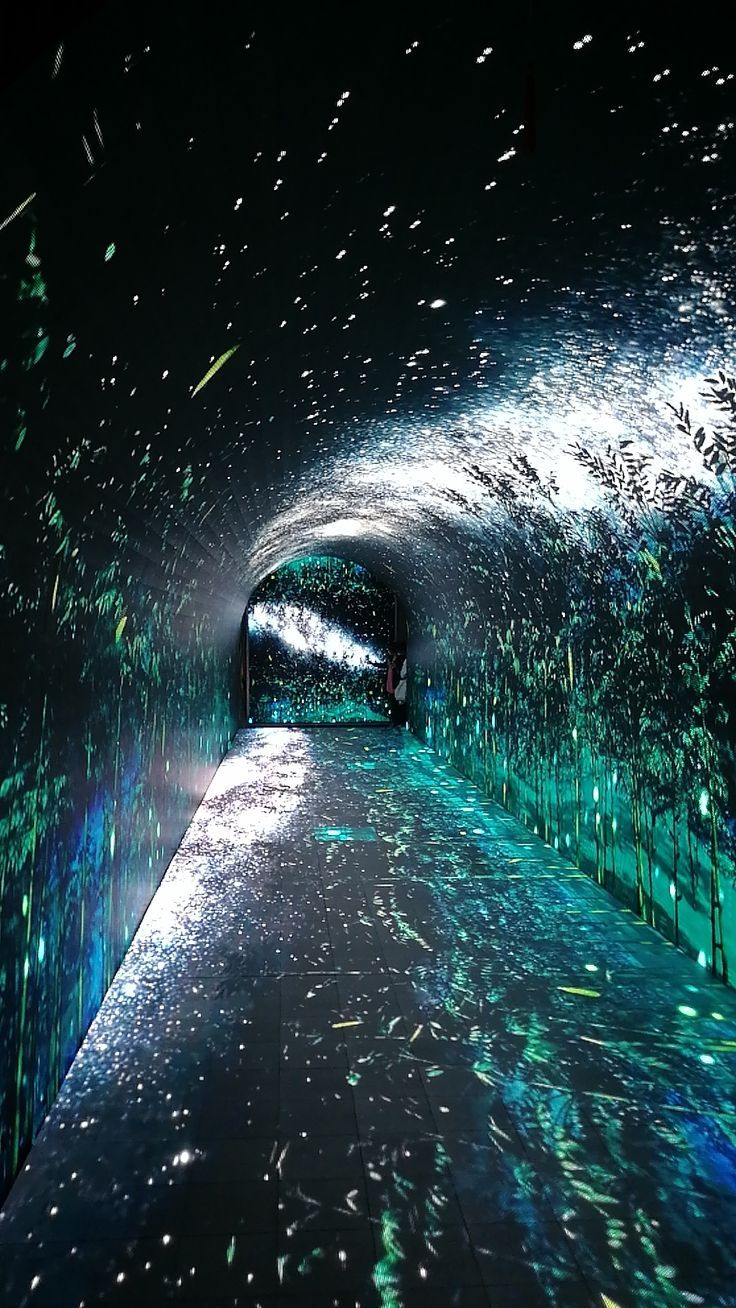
432,1257
316,1102
322,1204
528,1256
319,1043
312,1158
320,1265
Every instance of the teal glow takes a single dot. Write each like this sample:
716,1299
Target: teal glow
341,834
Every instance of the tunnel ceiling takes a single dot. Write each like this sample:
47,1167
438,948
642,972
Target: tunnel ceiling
357,284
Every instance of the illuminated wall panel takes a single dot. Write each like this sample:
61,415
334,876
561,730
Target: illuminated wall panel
319,631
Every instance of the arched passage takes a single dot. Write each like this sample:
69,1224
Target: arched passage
317,633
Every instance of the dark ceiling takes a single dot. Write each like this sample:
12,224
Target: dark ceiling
418,247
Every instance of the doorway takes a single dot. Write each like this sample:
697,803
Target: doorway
316,636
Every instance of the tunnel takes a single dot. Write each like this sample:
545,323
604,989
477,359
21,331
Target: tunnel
299,1001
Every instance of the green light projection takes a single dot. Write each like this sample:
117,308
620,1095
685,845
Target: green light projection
600,709
117,713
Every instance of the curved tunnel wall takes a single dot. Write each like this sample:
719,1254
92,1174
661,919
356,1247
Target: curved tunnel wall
272,293
601,715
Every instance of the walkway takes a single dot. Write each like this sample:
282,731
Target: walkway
375,1045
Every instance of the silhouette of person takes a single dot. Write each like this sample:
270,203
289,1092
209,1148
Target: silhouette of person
399,680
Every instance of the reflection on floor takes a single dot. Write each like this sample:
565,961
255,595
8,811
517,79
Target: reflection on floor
374,1045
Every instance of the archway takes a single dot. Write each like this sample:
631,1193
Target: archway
316,636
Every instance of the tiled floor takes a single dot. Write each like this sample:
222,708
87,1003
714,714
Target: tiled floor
412,1059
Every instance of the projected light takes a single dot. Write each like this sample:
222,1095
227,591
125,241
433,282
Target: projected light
342,834
318,634
445,355
354,529
308,633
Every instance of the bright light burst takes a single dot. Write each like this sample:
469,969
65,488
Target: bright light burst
307,633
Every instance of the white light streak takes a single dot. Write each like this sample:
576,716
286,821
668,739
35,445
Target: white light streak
306,632
18,210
